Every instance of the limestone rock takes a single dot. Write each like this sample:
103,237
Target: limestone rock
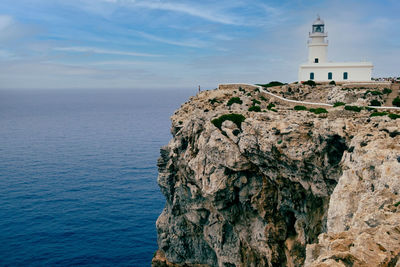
285,188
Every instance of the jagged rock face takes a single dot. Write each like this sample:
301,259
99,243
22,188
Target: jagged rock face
258,194
364,210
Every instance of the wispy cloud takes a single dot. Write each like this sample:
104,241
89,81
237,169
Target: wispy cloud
187,43
94,50
206,12
5,21
4,54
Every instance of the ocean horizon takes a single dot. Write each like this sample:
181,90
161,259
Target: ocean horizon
78,175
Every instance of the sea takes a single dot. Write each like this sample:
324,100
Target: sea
78,175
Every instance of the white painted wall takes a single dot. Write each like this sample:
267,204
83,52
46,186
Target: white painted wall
317,48
357,72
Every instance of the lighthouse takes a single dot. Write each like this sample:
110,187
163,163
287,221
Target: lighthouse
319,69
317,45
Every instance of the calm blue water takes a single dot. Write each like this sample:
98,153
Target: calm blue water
78,175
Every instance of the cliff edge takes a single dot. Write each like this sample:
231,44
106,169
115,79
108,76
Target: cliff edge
275,186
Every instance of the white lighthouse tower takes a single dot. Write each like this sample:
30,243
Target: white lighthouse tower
319,69
317,45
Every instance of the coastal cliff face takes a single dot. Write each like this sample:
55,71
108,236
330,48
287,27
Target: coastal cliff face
279,188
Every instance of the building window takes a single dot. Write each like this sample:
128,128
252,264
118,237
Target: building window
316,60
311,75
345,75
329,75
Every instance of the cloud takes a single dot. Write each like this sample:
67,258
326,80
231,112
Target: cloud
5,21
12,31
207,13
187,43
4,54
94,50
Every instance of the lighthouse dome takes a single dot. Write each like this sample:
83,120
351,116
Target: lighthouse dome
318,21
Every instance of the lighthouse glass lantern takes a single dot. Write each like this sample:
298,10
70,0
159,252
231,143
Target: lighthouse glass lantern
318,28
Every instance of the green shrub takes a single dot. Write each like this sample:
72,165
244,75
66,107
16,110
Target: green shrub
353,108
300,108
373,92
270,106
235,118
271,84
241,89
337,104
255,101
386,91
274,110
263,98
318,110
310,83
214,100
396,102
248,94
255,108
332,83
375,102
394,116
234,100
378,114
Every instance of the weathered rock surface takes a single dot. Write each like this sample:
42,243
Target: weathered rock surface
284,188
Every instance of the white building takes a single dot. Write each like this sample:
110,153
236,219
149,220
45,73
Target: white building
320,70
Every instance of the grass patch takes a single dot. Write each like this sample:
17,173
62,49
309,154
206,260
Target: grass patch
234,100
213,101
353,108
271,84
235,118
373,92
310,83
318,110
393,116
378,114
338,104
375,102
270,106
396,102
386,91
255,108
300,108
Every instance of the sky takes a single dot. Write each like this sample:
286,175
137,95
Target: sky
157,44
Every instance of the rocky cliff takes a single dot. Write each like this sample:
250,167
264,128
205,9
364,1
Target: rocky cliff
279,187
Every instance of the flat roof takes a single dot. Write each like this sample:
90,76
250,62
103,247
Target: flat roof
337,64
